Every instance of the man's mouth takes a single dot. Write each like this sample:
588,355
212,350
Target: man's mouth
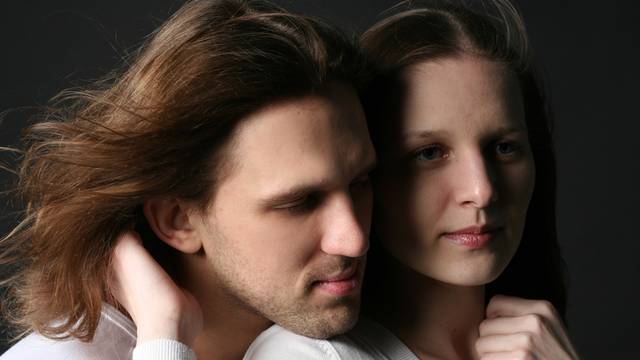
343,283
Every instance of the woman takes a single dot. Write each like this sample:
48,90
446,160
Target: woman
465,192
464,215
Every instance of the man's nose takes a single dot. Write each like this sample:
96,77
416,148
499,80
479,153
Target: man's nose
345,232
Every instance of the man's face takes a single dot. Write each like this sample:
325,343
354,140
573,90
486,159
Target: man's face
287,232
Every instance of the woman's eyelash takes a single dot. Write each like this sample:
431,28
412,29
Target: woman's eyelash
506,148
364,181
436,152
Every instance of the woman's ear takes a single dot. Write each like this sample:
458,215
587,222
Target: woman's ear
169,219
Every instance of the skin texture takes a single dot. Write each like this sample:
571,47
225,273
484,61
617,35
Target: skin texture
268,243
294,210
518,328
461,158
458,157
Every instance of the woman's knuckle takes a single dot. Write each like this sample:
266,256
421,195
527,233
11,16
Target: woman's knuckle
526,340
535,323
547,308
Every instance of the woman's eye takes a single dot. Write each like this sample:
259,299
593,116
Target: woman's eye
362,182
505,148
430,153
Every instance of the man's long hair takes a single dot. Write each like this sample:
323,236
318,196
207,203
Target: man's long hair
157,128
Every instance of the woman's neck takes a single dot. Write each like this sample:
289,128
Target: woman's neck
434,319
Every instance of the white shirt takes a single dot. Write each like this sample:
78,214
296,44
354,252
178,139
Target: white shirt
366,341
115,339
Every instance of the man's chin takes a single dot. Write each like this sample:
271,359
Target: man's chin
324,324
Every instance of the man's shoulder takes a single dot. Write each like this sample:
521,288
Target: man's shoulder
279,343
368,340
374,341
114,339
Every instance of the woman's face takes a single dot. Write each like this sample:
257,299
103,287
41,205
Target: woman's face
457,173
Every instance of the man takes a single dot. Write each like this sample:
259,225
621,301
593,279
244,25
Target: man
236,144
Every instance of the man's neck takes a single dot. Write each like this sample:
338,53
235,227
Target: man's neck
434,319
229,326
227,333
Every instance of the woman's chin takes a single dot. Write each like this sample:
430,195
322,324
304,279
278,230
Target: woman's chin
472,271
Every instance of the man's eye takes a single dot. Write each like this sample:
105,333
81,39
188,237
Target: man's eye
430,153
301,205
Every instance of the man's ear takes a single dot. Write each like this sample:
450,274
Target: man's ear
169,219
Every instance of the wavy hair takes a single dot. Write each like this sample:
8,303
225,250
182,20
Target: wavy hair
158,127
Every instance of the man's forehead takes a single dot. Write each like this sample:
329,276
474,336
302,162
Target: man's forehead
315,139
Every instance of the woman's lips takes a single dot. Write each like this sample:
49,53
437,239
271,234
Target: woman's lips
473,237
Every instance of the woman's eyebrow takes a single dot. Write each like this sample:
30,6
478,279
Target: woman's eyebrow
506,130
422,134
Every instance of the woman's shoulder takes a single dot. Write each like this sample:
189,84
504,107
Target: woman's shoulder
114,339
366,341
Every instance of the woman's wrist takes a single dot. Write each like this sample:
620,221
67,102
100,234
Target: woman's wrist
165,327
163,349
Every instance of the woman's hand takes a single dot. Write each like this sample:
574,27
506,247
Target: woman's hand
160,309
517,328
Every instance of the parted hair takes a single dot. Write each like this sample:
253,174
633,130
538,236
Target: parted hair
420,31
156,127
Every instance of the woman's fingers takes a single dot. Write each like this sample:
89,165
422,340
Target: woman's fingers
502,305
506,343
532,323
157,305
510,355
536,316
522,345
529,328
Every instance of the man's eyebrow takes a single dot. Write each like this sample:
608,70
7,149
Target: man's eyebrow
292,194
299,191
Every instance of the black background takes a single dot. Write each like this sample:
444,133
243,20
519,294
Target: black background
589,50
